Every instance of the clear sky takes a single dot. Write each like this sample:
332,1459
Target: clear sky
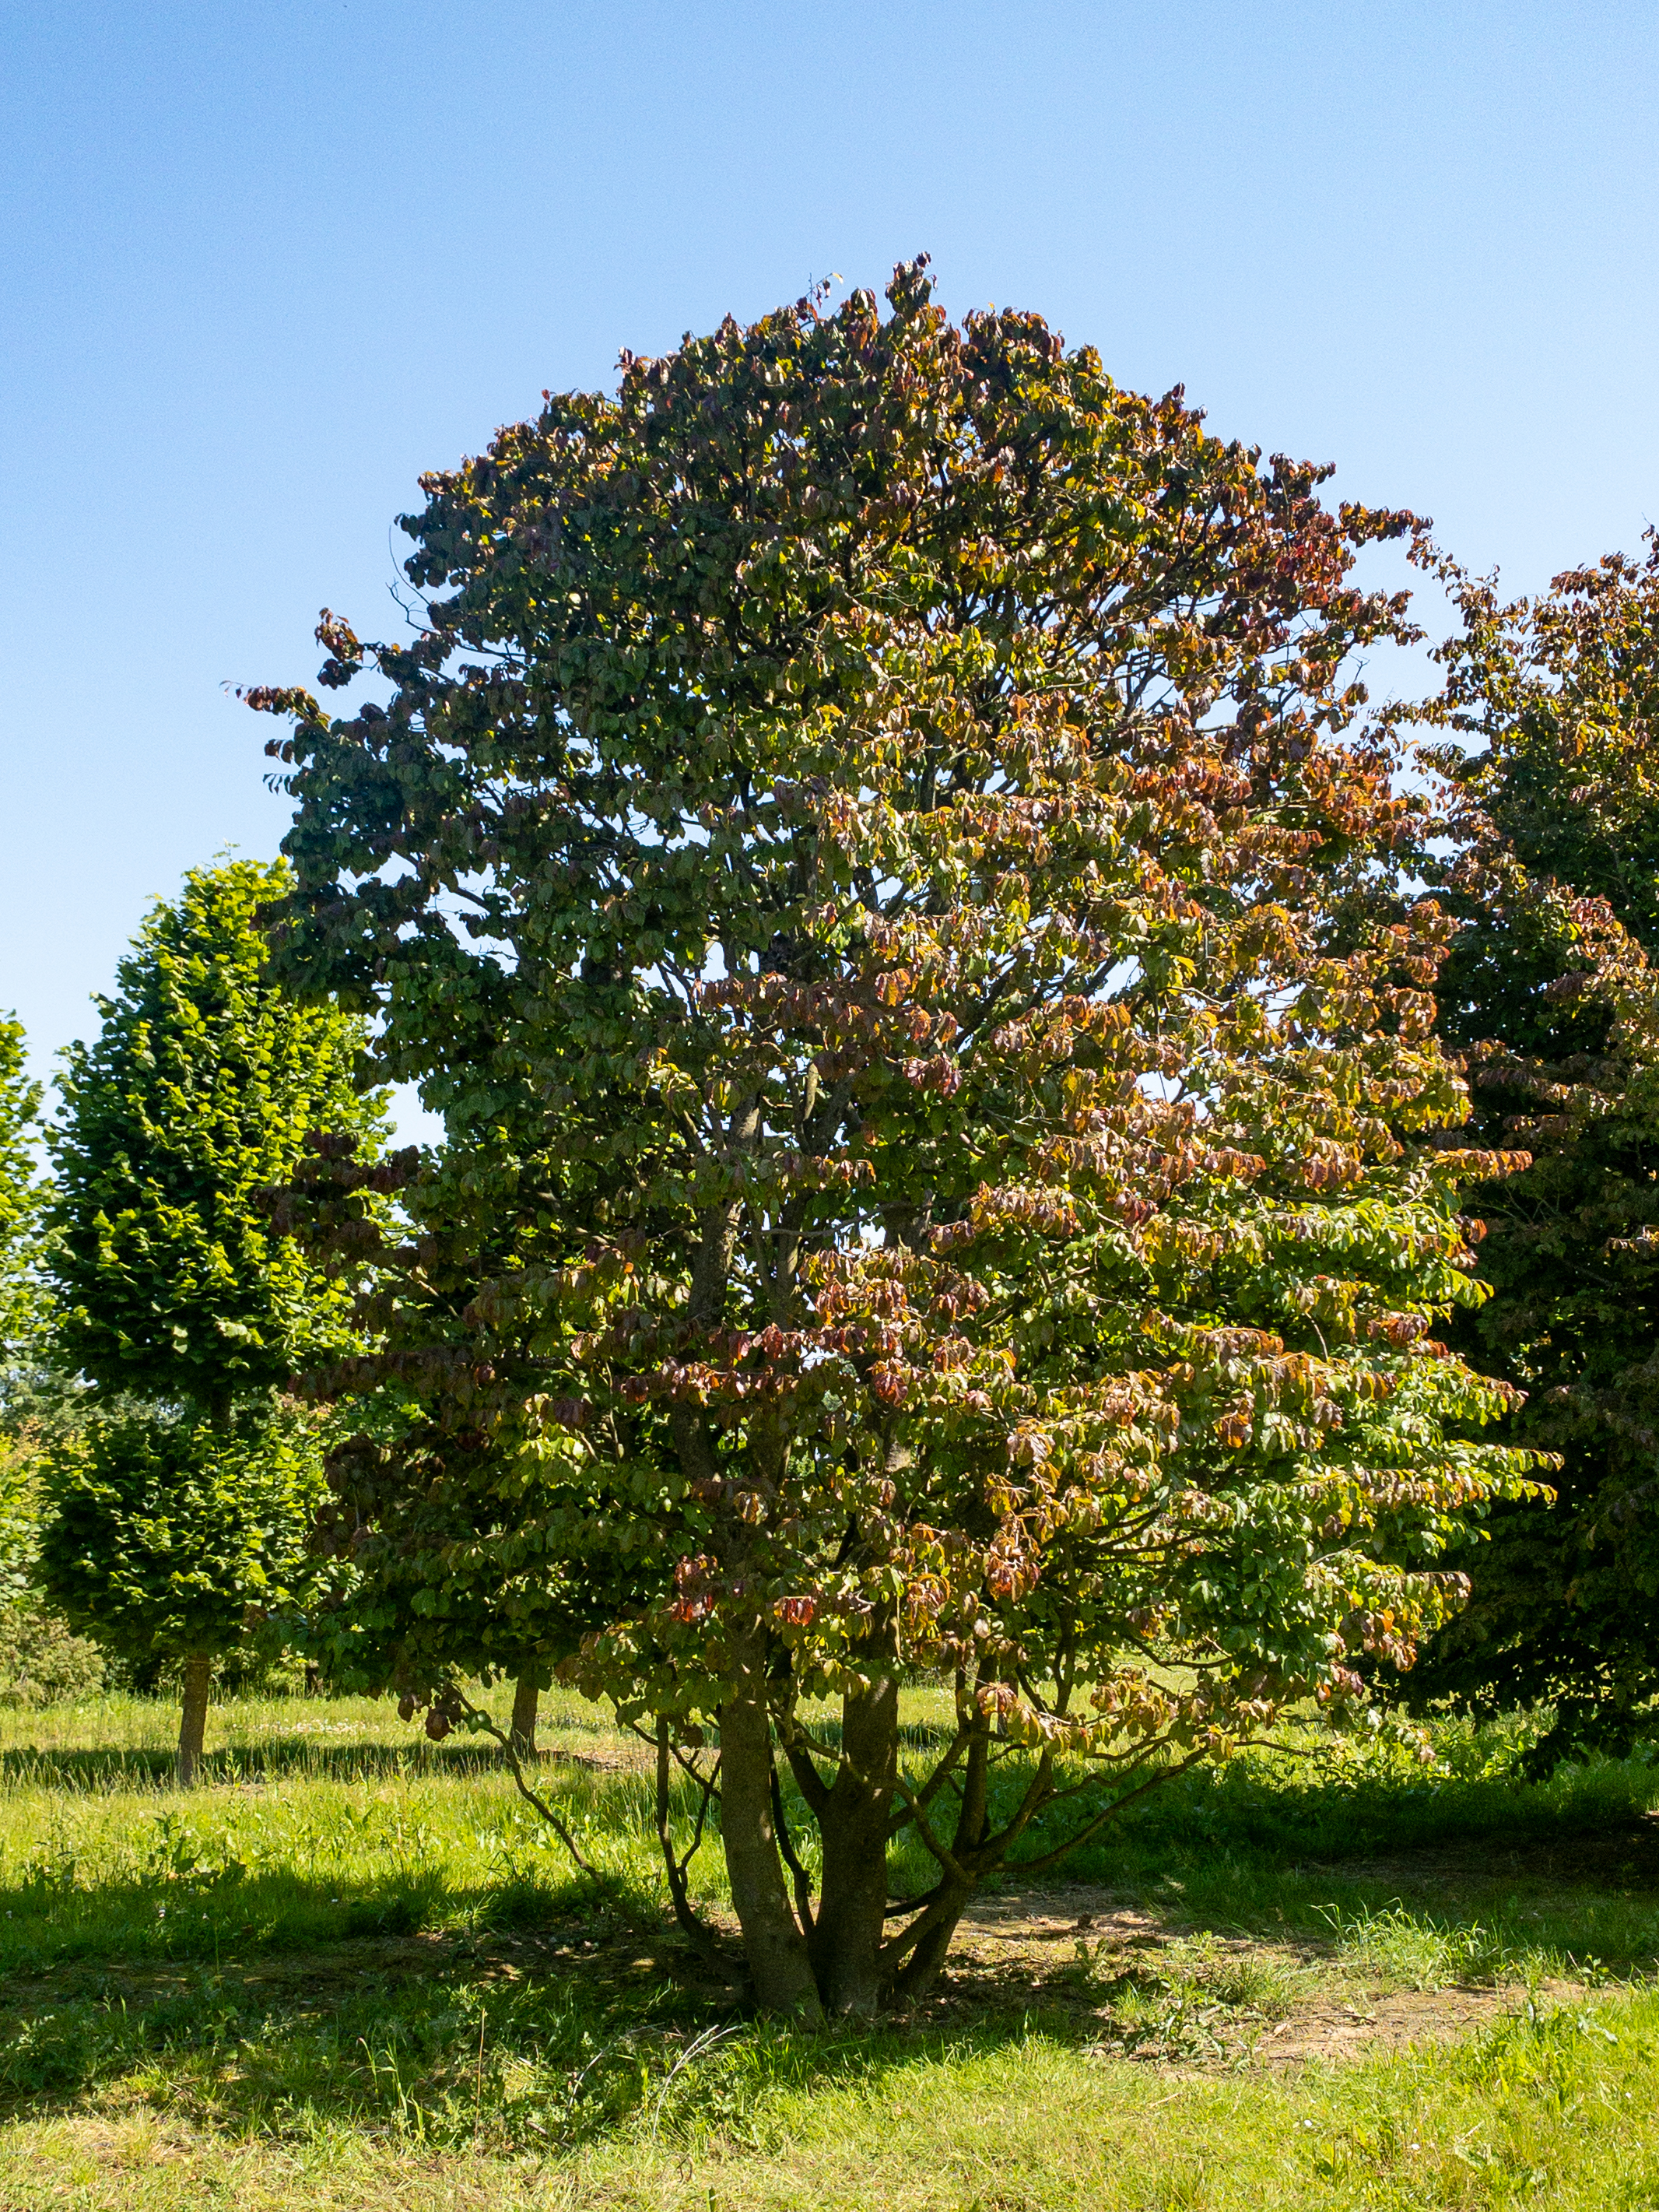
261,265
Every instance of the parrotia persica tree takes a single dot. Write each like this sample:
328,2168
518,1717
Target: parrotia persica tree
870,854
1553,777
176,1292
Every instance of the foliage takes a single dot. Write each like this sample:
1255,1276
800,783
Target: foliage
20,1202
41,1658
451,1578
873,856
1553,781
172,1536
42,1661
20,1514
197,1095
447,1558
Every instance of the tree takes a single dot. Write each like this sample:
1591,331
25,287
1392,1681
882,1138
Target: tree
195,1097
176,1539
20,1203
871,853
1552,777
177,1300
38,1657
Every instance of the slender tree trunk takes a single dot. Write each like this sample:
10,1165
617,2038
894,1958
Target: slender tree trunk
915,1975
779,1968
192,1726
526,1698
848,1933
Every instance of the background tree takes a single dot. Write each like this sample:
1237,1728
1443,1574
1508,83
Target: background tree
448,1562
859,857
20,1207
197,1095
177,1298
1553,780
176,1540
40,1658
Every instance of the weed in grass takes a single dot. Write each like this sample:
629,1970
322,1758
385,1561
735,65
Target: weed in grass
1404,1950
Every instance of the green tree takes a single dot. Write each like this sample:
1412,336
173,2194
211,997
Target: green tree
38,1657
175,1540
20,1207
1553,780
196,1097
869,854
178,1300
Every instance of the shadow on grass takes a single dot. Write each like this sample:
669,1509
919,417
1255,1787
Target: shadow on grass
262,1997
533,2037
58,1920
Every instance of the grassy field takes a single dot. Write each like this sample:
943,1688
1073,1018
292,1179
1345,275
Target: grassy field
354,1971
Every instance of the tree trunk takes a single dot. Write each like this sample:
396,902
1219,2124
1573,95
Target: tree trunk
526,1696
935,1931
846,1942
931,1933
192,1726
779,1968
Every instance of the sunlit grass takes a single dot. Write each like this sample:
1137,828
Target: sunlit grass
355,1968
1557,2108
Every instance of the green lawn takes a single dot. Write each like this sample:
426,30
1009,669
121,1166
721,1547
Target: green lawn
355,1970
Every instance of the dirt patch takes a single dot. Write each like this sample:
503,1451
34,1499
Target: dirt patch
1165,1995
1366,2026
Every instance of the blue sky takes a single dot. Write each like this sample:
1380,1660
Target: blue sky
259,267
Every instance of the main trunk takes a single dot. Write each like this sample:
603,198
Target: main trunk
779,1969
526,1696
192,1726
853,1820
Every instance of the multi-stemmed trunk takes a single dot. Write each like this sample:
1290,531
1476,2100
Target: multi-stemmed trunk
803,1961
854,1813
830,1955
192,1726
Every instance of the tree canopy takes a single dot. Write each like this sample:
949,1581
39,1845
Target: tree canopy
20,1207
1551,775
197,1095
873,851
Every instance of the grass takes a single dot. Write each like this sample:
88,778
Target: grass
353,1970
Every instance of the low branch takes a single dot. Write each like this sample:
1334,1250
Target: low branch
1093,1828
697,1932
935,1783
802,1880
476,1718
